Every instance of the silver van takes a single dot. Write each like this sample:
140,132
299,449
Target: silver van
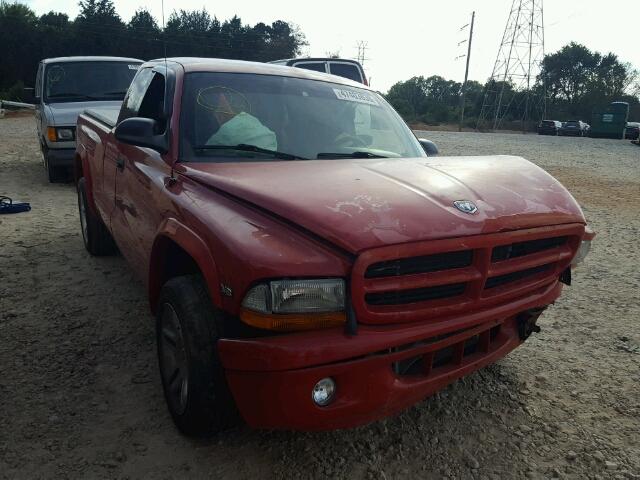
64,88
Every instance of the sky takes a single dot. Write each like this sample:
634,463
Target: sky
411,38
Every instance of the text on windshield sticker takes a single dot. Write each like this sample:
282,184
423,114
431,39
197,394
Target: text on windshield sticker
351,96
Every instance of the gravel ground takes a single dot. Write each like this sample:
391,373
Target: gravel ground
80,395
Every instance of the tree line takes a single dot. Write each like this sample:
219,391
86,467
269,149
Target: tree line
26,38
578,82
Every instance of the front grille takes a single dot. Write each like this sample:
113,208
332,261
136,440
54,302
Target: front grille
449,356
436,280
402,297
500,280
520,249
422,264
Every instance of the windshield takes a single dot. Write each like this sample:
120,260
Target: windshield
231,117
82,81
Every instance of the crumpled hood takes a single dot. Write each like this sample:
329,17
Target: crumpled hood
66,114
361,204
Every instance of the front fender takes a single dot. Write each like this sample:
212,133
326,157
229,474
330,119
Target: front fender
172,231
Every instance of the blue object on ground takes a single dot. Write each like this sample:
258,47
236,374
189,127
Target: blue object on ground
9,206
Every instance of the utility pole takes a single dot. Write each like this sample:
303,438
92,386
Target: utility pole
466,73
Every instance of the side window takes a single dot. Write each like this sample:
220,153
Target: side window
315,66
346,70
135,94
152,104
38,87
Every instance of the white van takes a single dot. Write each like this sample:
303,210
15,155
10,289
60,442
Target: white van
64,88
336,66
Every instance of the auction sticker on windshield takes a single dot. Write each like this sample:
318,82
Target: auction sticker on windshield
351,96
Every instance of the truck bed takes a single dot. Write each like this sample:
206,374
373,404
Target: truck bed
108,116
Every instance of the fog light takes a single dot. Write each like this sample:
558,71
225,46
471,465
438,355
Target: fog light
324,391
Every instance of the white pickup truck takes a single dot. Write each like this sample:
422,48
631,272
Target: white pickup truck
64,88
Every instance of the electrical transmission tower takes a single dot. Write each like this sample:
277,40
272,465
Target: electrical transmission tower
512,90
362,48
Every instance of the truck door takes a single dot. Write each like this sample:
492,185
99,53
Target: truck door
139,183
105,192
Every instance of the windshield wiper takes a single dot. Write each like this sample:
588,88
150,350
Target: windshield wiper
243,147
349,155
75,95
121,92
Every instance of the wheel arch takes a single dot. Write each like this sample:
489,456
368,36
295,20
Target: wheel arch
78,167
81,169
178,250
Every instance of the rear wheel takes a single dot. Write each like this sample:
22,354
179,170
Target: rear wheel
188,328
96,237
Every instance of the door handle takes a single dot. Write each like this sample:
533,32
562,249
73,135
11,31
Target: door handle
120,163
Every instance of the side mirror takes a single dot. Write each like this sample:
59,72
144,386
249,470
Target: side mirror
28,95
141,132
429,147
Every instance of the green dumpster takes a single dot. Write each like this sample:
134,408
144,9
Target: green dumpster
610,122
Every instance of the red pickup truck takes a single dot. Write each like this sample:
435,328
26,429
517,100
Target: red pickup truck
310,267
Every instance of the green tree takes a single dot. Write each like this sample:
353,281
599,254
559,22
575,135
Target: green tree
55,33
409,97
568,72
99,30
579,80
18,43
144,36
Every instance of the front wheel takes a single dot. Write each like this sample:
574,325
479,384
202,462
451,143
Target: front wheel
54,174
188,328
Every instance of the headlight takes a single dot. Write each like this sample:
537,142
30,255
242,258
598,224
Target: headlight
582,253
64,134
287,305
296,296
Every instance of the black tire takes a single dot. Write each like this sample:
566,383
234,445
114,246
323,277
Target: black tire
188,327
96,237
54,174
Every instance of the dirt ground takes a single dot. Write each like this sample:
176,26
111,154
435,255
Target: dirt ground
80,395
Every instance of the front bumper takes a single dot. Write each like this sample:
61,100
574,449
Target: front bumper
272,378
60,157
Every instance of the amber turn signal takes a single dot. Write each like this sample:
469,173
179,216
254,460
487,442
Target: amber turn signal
51,134
292,322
